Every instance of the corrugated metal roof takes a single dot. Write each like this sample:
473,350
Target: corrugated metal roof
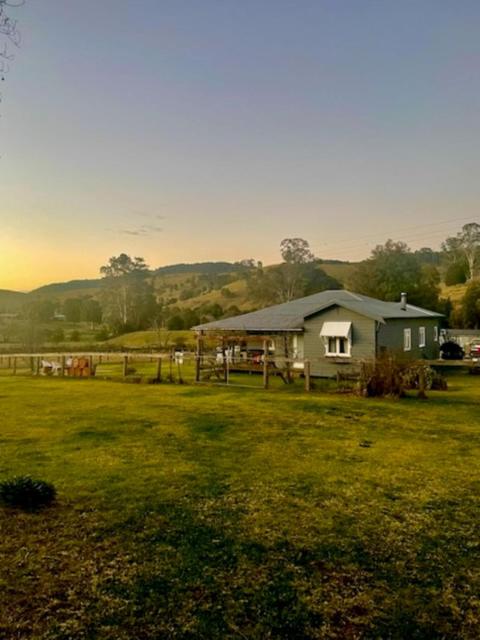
290,316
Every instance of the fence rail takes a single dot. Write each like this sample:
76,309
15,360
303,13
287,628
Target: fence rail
211,368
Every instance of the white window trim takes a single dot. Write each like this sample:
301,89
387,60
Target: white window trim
407,339
435,333
422,337
337,353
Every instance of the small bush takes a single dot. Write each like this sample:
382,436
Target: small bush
75,336
26,493
102,335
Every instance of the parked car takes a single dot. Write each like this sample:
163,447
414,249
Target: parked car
451,351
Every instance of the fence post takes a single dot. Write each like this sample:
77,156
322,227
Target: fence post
37,366
14,371
306,370
62,364
421,383
198,357
159,369
265,364
125,366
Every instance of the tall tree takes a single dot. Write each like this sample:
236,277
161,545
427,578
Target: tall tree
392,269
470,309
465,246
128,298
296,251
299,275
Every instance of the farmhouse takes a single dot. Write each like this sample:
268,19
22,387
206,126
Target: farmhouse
334,330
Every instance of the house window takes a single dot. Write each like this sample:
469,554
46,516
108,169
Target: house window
407,339
422,340
435,334
337,346
337,337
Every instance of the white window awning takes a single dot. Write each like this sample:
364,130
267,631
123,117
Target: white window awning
336,330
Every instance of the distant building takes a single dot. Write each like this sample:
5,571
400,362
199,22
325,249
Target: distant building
336,329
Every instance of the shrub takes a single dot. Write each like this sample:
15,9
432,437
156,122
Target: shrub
456,274
26,493
75,336
102,335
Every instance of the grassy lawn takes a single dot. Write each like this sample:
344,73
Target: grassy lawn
198,512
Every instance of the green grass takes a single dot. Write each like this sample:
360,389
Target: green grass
200,512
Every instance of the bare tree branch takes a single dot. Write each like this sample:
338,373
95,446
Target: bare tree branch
9,33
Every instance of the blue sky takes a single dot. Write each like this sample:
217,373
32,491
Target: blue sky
189,130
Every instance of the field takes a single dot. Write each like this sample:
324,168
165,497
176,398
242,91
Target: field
199,512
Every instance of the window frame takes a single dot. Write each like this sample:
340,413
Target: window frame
337,353
407,339
436,333
422,337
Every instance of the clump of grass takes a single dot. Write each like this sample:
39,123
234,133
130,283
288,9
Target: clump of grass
26,493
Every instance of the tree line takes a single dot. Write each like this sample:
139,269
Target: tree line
132,297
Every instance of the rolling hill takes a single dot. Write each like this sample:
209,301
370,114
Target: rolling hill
11,301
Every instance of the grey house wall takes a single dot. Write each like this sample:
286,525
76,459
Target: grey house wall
390,337
363,341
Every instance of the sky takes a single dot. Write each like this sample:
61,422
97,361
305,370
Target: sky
192,130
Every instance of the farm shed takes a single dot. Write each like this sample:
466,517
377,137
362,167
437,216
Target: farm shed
335,330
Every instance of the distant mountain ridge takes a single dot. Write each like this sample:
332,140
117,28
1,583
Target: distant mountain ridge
172,282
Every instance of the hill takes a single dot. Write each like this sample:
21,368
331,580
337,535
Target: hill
11,301
72,288
200,268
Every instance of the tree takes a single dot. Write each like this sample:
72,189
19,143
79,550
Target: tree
91,311
455,274
175,323
465,246
296,251
10,34
38,311
470,308
128,296
393,269
72,308
298,275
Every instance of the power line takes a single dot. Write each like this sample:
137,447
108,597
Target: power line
374,239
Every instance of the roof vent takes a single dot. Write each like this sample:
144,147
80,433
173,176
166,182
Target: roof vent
403,301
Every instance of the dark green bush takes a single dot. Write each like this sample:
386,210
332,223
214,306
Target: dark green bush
26,493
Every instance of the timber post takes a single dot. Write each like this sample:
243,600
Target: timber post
306,371
225,365
14,371
125,366
198,356
421,383
62,367
265,364
158,377
287,356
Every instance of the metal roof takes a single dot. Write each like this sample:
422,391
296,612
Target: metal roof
290,316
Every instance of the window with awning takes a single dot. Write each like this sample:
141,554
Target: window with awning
337,337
